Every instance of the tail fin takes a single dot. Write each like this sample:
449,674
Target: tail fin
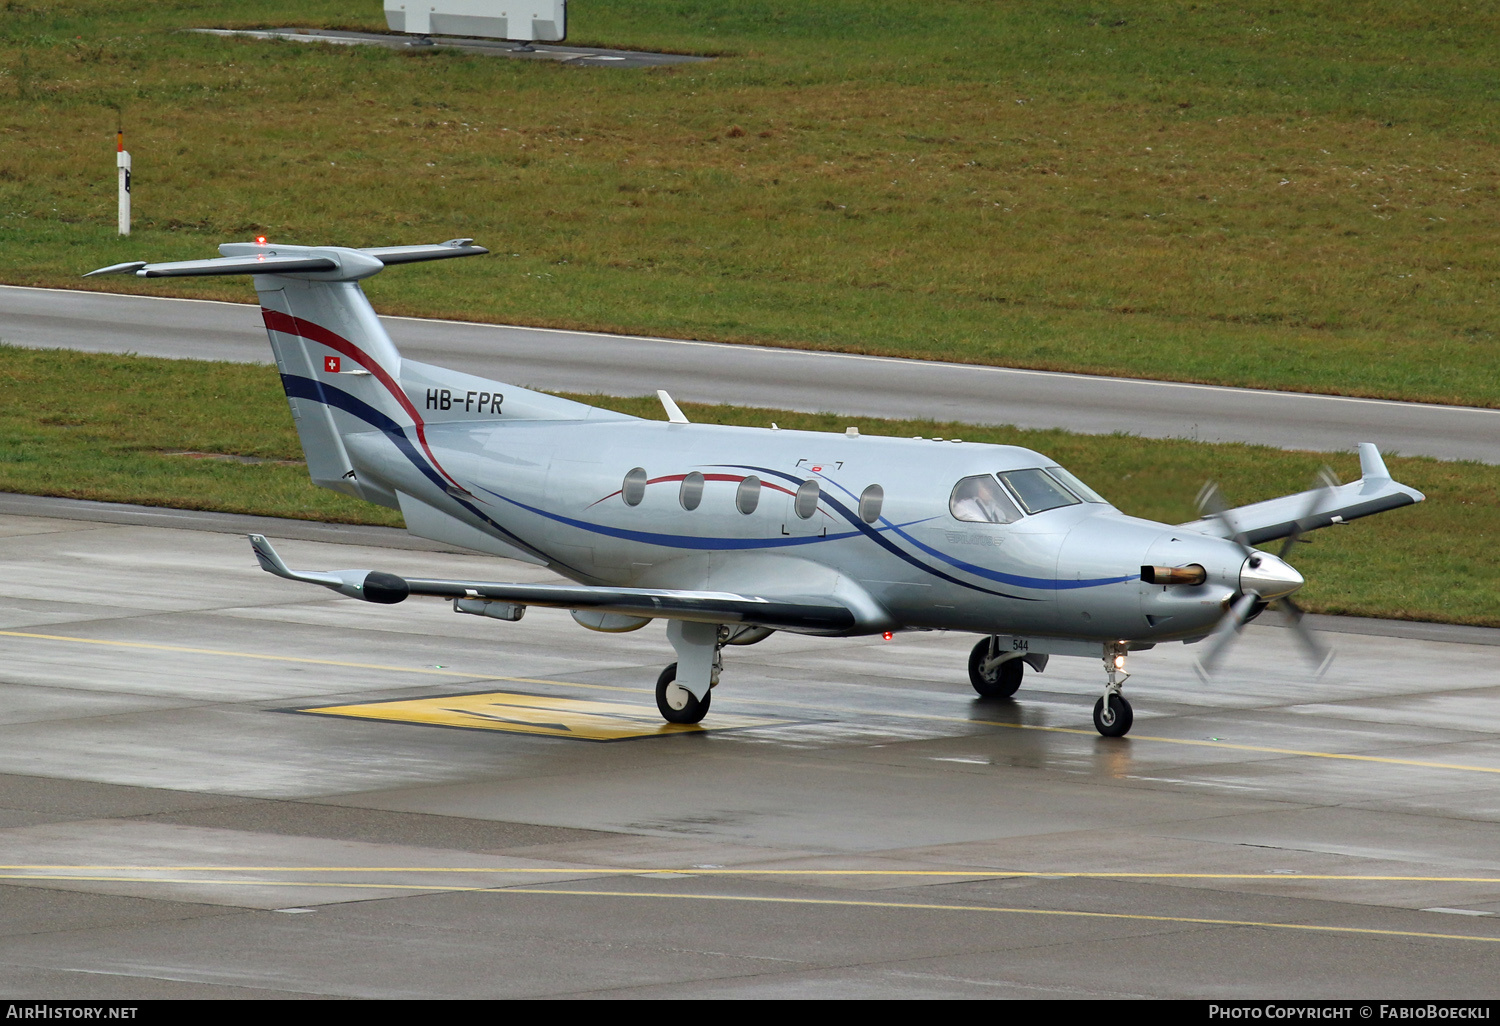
336,361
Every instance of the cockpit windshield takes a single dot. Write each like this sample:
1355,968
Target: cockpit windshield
980,500
1076,486
1037,490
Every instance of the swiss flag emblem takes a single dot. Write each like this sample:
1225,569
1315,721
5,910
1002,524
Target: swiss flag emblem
331,364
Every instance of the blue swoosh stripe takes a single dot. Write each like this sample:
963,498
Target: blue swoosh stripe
679,541
308,388
1017,579
1039,583
883,542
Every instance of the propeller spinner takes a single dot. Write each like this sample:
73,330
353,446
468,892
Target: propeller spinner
1264,579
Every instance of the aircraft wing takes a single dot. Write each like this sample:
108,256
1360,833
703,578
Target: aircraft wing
1261,522
812,613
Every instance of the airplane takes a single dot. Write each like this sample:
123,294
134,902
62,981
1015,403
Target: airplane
732,533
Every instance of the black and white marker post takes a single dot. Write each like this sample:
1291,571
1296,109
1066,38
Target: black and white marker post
122,161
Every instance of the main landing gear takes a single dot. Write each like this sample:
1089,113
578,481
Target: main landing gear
993,672
1112,713
683,689
677,703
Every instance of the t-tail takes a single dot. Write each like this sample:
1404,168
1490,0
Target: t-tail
343,376
341,372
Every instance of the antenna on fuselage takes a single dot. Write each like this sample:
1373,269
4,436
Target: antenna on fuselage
674,415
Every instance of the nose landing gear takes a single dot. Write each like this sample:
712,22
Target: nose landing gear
1113,716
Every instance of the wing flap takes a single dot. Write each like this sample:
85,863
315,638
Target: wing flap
812,613
704,606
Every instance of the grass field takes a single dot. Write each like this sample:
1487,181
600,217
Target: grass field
102,427
1288,194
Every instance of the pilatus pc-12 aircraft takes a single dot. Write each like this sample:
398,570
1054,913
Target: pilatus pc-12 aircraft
731,533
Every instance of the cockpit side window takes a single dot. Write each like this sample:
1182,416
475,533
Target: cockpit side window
1037,490
979,500
1076,486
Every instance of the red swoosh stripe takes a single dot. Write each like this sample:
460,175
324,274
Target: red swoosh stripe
287,324
706,477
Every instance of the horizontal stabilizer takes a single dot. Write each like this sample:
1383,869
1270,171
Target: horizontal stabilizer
792,613
411,254
221,265
328,263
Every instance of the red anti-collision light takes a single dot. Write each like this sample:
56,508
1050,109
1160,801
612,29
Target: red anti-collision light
887,635
260,240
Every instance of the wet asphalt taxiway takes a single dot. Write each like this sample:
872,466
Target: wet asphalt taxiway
173,822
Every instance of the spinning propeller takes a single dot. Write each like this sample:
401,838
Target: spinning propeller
1263,580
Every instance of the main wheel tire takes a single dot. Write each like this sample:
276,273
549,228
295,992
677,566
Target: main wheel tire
1002,681
1119,715
676,703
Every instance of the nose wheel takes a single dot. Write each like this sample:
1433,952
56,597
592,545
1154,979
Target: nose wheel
1113,716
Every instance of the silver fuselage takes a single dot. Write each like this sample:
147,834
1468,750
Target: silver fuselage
553,486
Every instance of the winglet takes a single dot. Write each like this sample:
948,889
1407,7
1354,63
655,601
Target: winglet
369,585
674,415
271,562
1371,466
269,559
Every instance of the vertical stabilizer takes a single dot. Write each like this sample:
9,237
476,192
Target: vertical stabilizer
335,359
340,369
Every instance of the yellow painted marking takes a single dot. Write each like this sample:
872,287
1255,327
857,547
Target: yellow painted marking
535,714
1137,738
825,902
691,871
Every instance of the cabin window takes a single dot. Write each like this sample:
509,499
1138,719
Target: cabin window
747,496
870,501
634,488
1076,486
1038,490
692,491
980,500
806,503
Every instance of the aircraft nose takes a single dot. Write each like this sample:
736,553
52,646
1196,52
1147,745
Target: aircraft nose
1268,576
